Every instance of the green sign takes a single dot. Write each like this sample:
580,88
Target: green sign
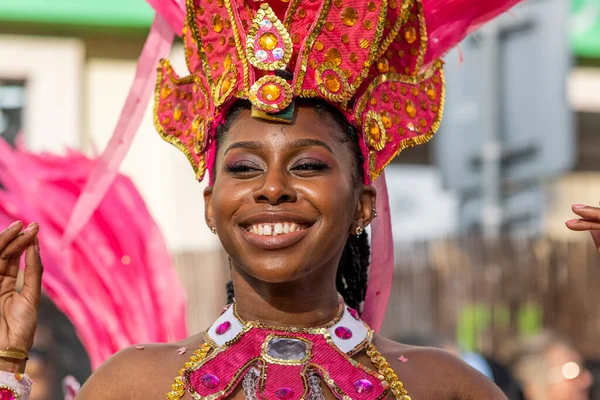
104,13
585,28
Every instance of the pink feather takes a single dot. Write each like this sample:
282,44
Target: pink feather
450,21
115,281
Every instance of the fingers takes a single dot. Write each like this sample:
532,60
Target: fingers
586,212
590,218
32,277
10,233
14,245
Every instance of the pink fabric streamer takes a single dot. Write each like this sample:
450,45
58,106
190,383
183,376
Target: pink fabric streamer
115,281
158,45
450,21
381,272
173,11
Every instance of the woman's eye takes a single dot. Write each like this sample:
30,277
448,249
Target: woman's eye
241,168
310,166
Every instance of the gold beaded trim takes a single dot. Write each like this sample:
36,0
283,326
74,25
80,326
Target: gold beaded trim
238,45
387,373
193,25
178,387
266,11
282,85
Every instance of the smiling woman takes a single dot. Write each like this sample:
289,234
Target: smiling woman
294,109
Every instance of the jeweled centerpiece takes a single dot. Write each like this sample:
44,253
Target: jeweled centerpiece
286,350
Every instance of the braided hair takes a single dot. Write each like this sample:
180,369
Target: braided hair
352,272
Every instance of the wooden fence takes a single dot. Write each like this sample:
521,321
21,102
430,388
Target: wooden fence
483,293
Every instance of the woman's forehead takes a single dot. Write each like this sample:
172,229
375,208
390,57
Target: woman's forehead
307,124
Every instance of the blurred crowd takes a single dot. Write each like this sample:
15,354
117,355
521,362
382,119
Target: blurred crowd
540,367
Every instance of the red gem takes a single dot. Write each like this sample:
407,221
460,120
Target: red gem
354,313
7,394
224,327
210,381
284,393
343,333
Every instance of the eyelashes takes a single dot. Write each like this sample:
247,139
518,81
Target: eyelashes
301,167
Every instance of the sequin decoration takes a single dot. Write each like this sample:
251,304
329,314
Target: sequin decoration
349,16
225,85
332,83
374,131
268,44
271,94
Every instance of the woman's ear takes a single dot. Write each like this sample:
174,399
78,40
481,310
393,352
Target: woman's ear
365,208
208,209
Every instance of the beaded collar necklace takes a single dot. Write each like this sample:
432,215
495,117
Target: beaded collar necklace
283,361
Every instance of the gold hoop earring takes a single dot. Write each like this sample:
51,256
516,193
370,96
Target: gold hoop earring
213,230
359,231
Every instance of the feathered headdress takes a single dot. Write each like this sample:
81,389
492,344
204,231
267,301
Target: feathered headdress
376,61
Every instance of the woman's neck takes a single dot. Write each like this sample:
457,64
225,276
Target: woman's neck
308,303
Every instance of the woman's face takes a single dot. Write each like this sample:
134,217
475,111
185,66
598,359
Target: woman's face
284,199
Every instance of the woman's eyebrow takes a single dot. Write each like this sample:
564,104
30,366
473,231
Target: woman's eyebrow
309,143
244,145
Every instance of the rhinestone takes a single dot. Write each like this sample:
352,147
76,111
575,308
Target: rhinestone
332,83
209,48
284,393
265,24
363,386
393,4
177,113
342,332
329,26
423,122
227,62
410,109
270,91
383,65
345,39
334,56
354,313
415,91
302,13
222,40
225,326
313,64
410,126
295,38
267,41
436,79
319,45
373,101
434,108
165,92
410,35
261,55
385,97
278,53
217,23
338,3
368,25
349,16
432,93
287,349
210,381
353,57
232,42
387,122
204,31
371,6
375,133
227,24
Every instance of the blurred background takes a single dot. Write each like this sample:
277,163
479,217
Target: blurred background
483,259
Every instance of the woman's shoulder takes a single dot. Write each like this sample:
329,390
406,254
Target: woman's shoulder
141,371
429,373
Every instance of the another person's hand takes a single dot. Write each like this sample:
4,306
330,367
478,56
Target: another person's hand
589,221
18,310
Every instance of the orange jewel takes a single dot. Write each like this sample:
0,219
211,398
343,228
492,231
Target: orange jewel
383,65
410,35
410,109
387,122
270,91
333,56
267,41
349,16
432,93
374,130
332,83
217,23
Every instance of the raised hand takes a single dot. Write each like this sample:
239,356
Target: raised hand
589,221
18,310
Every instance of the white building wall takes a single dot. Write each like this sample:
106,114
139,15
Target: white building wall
160,171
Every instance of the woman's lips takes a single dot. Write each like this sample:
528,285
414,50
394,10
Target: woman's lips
274,242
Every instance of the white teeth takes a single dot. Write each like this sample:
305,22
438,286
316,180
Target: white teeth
278,229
